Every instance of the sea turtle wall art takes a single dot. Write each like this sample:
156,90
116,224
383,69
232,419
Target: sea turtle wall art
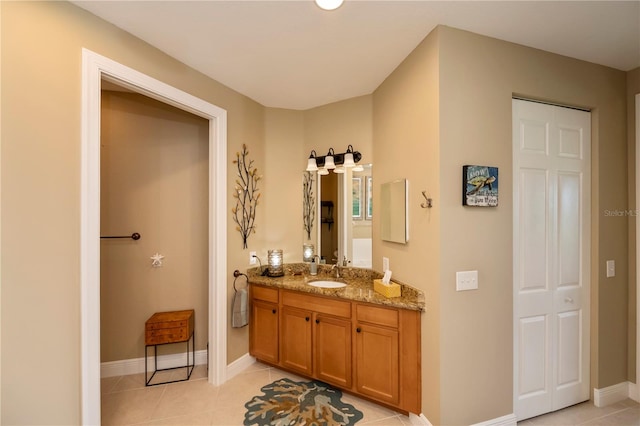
479,186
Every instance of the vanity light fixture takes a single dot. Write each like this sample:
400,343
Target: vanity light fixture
322,164
329,4
312,166
328,160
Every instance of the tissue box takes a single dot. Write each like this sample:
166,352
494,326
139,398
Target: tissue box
387,290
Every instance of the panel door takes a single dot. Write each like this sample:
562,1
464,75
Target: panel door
296,344
263,332
333,350
377,371
551,163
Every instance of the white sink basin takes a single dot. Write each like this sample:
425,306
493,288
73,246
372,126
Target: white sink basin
327,284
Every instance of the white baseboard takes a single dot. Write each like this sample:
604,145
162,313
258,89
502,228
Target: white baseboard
633,392
508,420
136,365
419,420
611,394
239,365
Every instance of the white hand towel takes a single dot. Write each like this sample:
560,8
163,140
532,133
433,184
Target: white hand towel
240,317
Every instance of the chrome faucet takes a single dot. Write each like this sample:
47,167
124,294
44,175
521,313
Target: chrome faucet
337,268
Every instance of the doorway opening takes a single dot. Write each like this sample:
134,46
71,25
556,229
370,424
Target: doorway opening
95,69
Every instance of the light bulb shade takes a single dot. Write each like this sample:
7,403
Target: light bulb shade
348,160
339,169
276,267
323,171
328,162
307,252
329,4
312,166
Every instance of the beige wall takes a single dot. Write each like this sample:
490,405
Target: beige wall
633,87
447,104
41,46
406,140
451,103
154,181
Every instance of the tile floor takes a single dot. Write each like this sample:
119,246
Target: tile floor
127,401
623,413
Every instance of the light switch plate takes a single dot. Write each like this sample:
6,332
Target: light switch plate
466,280
252,258
611,268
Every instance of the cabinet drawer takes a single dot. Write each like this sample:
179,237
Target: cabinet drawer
375,315
166,324
264,293
167,335
322,305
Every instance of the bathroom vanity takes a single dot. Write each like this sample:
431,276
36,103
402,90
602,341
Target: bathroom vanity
350,337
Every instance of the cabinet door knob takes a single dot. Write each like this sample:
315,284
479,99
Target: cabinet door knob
273,311
317,321
358,330
306,318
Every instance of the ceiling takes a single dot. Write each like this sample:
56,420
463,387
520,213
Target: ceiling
291,54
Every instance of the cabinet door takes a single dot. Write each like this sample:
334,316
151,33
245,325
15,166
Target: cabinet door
295,342
377,370
332,350
263,332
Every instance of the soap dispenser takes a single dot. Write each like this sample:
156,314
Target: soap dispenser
313,267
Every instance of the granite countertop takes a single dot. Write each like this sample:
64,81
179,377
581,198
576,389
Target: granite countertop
359,285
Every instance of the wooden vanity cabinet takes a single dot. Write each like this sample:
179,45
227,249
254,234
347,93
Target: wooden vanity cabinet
315,337
332,349
377,353
371,350
296,344
264,324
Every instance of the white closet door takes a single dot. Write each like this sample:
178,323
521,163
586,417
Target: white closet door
551,163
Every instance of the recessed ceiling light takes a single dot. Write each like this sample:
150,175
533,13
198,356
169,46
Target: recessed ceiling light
329,4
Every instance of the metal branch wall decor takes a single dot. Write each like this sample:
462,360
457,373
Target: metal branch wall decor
309,203
246,195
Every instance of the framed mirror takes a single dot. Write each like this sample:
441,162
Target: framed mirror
343,227
394,220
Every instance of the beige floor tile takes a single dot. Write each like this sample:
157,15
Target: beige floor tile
129,407
395,420
195,419
186,398
107,384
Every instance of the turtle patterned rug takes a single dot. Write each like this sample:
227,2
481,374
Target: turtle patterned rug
286,402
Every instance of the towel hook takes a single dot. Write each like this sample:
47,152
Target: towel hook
236,274
429,202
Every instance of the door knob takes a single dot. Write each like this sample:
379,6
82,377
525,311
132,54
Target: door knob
306,319
317,321
273,311
358,330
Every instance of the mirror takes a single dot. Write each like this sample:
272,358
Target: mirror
344,213
394,223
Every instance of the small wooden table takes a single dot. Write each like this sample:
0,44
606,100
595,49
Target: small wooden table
165,328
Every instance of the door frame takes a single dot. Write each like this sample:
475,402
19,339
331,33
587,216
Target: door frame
636,395
94,69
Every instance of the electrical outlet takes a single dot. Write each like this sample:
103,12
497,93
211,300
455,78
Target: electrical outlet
252,258
385,264
611,268
466,280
